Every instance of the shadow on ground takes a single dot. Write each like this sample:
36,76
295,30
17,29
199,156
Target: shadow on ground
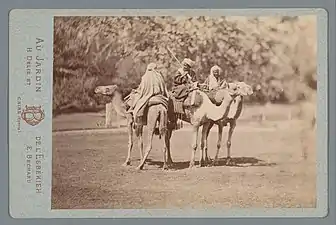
232,162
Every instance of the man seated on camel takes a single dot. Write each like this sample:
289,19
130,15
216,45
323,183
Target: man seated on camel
215,80
152,84
184,80
185,74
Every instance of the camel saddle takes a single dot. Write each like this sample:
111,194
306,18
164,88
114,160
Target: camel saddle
183,99
141,117
212,96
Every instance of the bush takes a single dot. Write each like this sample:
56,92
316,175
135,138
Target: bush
276,55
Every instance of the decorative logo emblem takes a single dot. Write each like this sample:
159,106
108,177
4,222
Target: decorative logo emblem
33,115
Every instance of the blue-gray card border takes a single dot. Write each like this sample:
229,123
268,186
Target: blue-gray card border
100,4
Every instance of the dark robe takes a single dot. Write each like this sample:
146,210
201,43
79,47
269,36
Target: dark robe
181,83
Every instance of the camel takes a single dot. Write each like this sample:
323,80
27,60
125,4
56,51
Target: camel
231,119
157,113
205,110
196,115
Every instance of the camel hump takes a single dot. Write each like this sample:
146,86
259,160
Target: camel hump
212,95
216,96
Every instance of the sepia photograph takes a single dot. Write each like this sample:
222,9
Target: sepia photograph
184,112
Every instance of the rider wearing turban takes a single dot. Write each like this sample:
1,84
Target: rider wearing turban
185,74
214,80
184,77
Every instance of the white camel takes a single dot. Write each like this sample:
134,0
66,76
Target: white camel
204,111
231,119
157,113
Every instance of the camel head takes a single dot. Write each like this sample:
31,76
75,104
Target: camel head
106,90
240,88
233,89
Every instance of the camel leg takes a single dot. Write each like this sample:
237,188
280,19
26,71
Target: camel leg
205,128
163,121
149,148
140,143
151,127
167,145
207,158
165,152
219,142
194,146
130,142
228,143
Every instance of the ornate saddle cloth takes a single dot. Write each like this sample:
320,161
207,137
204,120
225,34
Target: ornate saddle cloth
180,104
141,117
177,106
184,96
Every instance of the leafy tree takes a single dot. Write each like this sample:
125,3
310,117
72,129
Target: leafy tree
276,55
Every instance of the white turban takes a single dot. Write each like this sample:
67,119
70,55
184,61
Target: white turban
215,67
151,66
189,62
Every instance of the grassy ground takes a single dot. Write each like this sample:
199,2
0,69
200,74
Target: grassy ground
250,114
268,172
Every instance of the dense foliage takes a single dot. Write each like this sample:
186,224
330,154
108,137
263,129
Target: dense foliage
276,55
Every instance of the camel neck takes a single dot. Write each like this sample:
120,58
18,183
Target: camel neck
118,104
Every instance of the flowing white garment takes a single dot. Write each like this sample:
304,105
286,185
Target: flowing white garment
213,83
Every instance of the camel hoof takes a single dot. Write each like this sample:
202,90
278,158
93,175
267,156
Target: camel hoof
128,163
139,168
214,163
191,165
229,162
170,162
165,167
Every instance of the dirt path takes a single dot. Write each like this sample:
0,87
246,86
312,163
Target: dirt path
269,172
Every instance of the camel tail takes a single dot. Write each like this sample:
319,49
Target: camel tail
163,120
